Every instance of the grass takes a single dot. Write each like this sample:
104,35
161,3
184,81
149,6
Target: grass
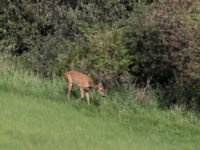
35,114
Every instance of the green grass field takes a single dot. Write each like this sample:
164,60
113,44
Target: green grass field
36,115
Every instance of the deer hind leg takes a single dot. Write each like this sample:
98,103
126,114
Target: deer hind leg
87,97
82,92
69,89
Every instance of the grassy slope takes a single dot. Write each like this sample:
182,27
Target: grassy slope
30,120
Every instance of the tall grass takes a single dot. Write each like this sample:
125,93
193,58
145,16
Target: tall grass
24,82
126,102
36,114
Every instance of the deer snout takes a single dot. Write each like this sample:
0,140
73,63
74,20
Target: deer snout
101,93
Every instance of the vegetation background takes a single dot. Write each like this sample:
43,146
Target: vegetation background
117,41
146,53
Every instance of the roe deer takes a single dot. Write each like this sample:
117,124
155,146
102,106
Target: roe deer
84,83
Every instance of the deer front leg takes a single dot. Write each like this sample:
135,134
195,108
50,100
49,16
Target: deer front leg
82,92
87,97
69,89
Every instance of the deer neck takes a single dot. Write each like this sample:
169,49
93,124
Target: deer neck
93,85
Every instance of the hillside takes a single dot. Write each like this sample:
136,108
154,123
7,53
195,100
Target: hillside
41,118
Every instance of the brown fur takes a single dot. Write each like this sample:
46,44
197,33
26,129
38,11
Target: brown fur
84,83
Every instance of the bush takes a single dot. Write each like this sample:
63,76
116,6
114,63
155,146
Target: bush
38,32
51,37
163,41
102,55
150,40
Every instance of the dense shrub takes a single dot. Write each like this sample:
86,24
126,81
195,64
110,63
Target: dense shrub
117,41
3,5
49,37
165,47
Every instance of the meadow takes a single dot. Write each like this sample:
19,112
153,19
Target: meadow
36,114
146,52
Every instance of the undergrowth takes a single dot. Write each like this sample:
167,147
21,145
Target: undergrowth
122,103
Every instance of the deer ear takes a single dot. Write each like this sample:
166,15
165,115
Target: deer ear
100,84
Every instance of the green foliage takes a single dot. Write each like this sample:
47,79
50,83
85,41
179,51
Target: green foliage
165,47
105,57
1,26
116,41
3,6
52,37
